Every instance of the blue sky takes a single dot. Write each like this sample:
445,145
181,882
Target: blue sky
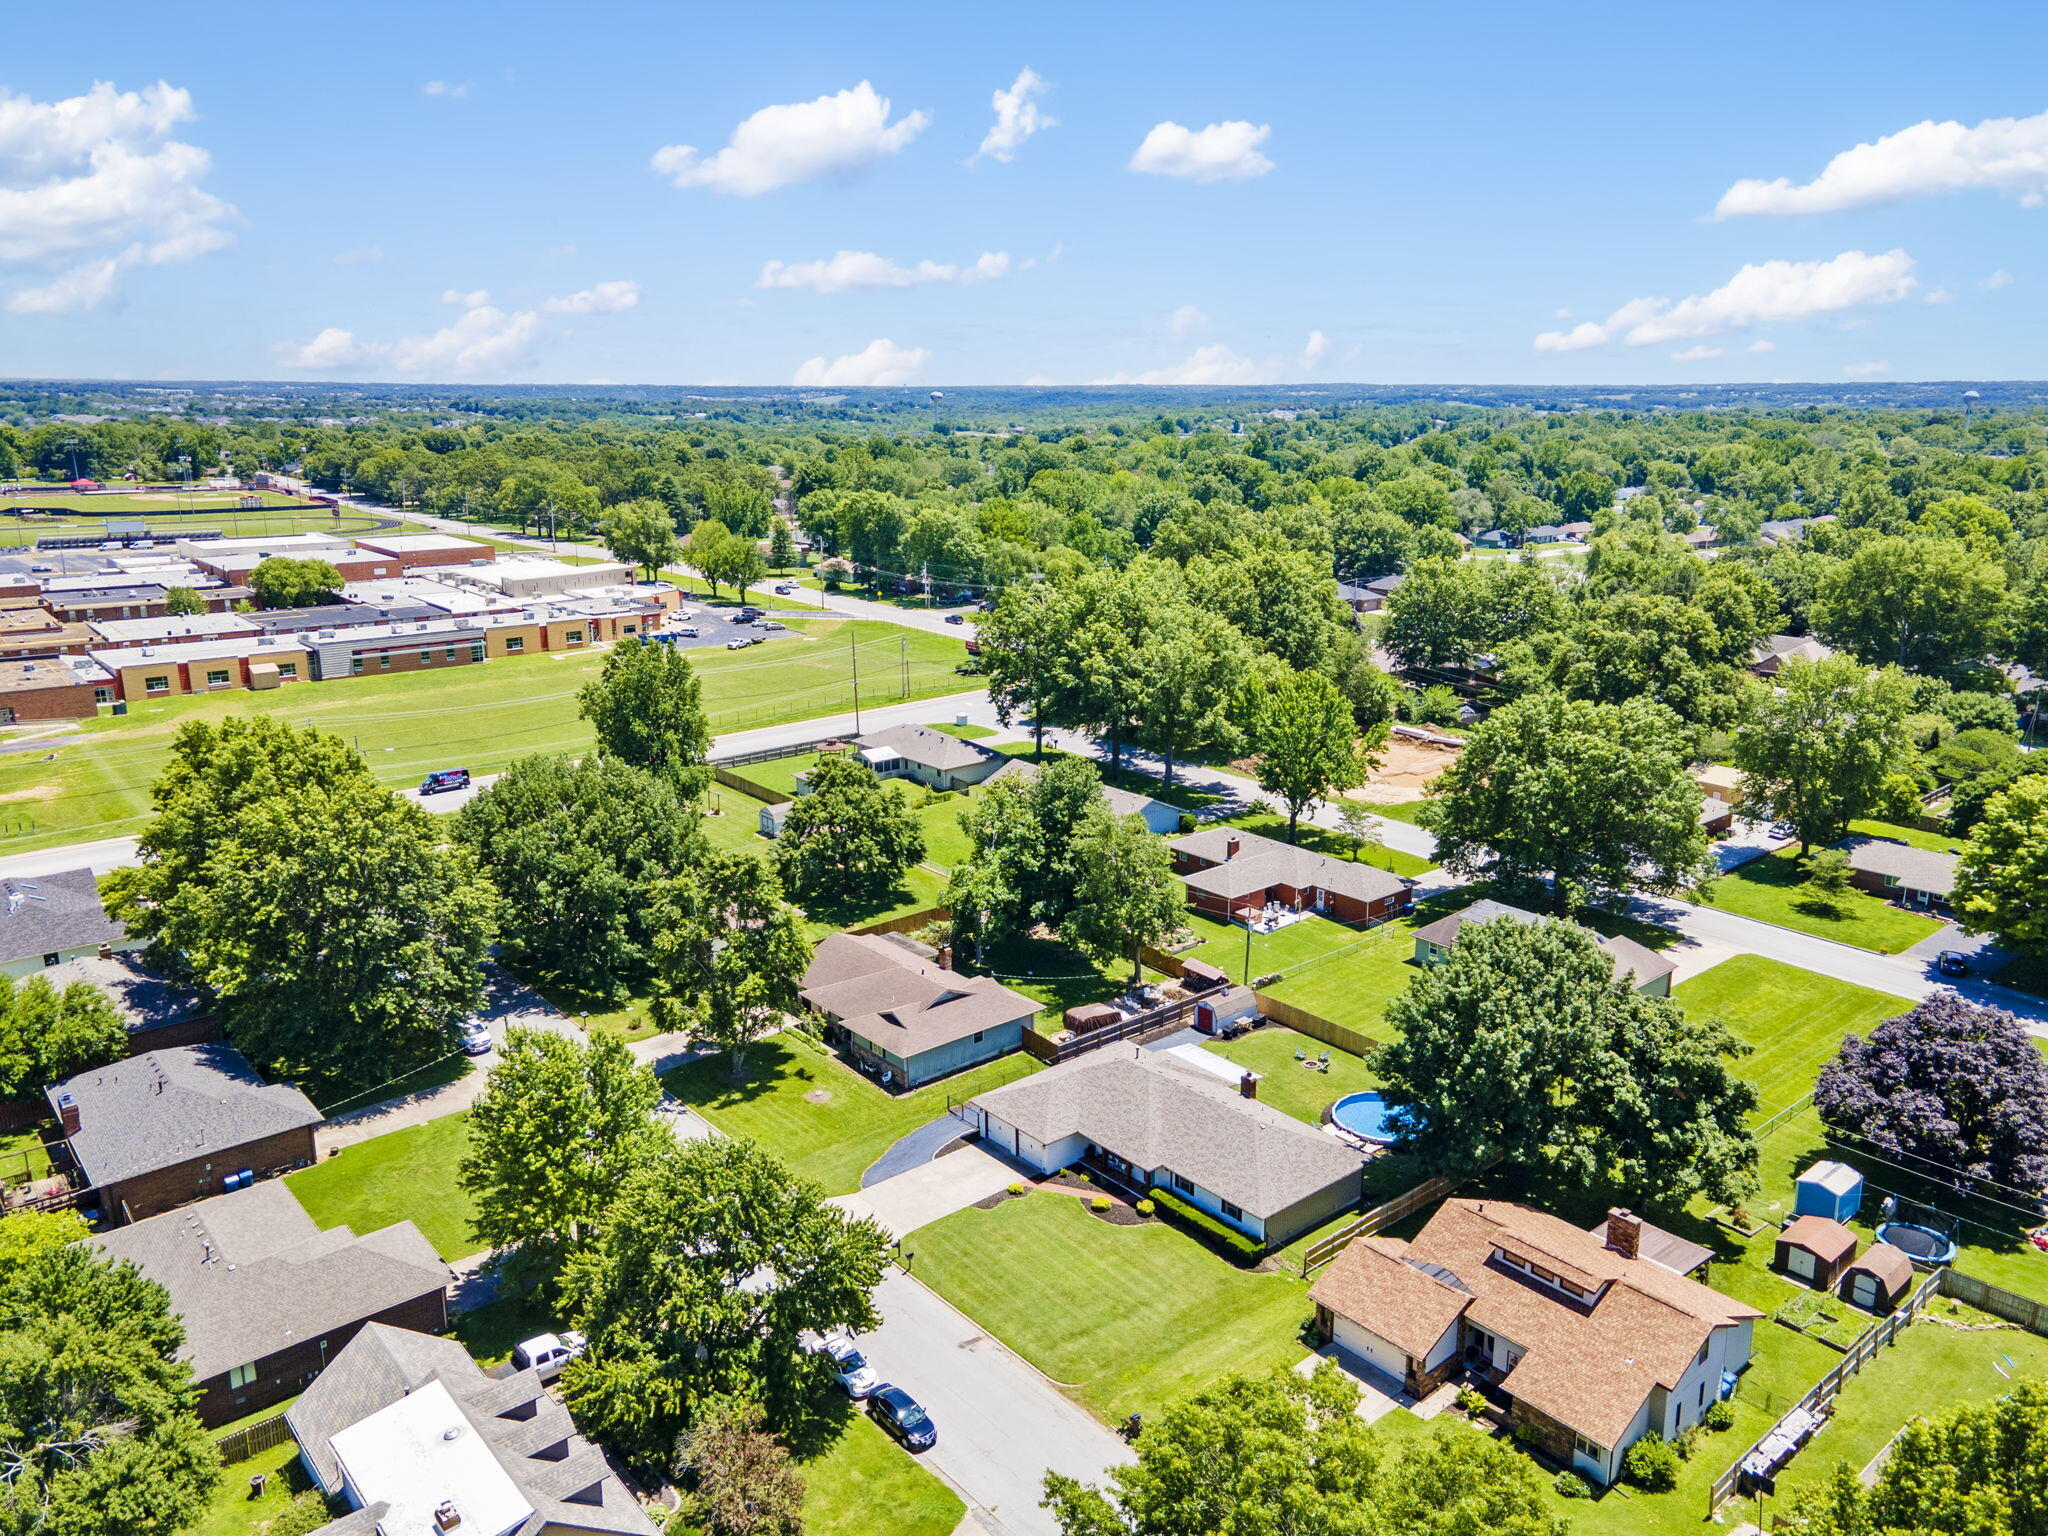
1408,194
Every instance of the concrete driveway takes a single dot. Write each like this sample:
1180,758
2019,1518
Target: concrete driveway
925,1193
1001,1424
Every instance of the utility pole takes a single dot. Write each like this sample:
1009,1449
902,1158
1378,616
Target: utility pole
903,649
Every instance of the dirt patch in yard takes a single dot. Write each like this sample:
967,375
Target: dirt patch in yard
1405,771
818,1096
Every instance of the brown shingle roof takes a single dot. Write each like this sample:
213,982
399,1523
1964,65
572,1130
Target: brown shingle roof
1892,1267
1410,1307
1263,861
1588,1364
889,995
1826,1239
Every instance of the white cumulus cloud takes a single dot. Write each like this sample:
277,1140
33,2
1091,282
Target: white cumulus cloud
447,90
93,185
598,299
1018,116
358,255
1219,152
1867,370
797,141
1761,345
1188,319
2008,155
333,350
474,298
1939,296
845,271
880,362
1315,349
1216,364
1998,279
1697,353
483,343
1768,292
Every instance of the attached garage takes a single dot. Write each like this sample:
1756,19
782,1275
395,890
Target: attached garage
1369,1347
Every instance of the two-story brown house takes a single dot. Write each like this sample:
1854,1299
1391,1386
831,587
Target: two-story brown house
268,1299
164,1129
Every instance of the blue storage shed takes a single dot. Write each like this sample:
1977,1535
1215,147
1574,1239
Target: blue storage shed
1833,1190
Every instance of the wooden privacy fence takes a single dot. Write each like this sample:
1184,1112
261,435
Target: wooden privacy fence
1299,1019
2030,1314
909,922
1829,1387
1316,1255
1168,1016
770,754
747,786
263,1435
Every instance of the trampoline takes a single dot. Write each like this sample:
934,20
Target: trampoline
1368,1116
1923,1245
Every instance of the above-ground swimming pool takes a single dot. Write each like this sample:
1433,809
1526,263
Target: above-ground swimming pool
1923,1245
1370,1116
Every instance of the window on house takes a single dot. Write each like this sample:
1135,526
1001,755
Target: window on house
1586,1447
1542,1274
574,637
1183,1183
216,677
1231,1211
630,628
1891,882
384,658
476,650
288,669
426,658
451,654
103,695
242,1375
978,1034
156,685
355,663
515,642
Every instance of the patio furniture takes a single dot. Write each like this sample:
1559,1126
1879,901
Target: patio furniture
1300,1054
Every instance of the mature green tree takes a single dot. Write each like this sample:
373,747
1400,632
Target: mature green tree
572,847
1448,613
282,582
781,545
730,953
647,708
2002,882
1127,895
340,939
1308,745
1189,663
47,1035
1632,646
1024,655
852,837
183,602
1283,600
556,1132
1524,1044
1023,866
1926,604
98,1430
712,1262
709,551
1594,798
1254,1455
641,533
1816,745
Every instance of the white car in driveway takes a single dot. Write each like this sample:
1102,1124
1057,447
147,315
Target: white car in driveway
849,1366
546,1353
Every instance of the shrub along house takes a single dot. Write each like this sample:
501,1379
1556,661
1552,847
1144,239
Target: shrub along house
896,1006
268,1299
164,1129
1590,1344
1231,874
1148,1121
1651,971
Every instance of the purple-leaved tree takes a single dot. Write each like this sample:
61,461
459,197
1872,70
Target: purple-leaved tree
1948,1082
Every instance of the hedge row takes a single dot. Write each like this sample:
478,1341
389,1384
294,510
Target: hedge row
1200,1223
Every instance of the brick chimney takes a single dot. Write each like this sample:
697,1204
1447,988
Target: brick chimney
1624,1234
944,958
1230,848
67,1113
1248,1085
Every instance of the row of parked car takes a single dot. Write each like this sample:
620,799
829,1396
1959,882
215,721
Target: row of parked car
899,1414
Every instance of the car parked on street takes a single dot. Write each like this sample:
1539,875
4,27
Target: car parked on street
476,1038
443,779
850,1367
902,1417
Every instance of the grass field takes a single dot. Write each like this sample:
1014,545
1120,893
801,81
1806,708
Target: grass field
1287,1084
480,718
231,1512
1771,890
94,506
406,1175
822,1118
862,1483
23,1157
1124,1319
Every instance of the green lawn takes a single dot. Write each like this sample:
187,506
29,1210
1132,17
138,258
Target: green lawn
491,1332
1913,837
231,1512
23,1157
406,1175
819,1116
1125,1319
1055,976
1341,974
1792,1019
1771,890
863,1484
478,717
964,732
1288,1085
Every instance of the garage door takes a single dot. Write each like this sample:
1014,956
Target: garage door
1371,1348
1800,1262
1863,1292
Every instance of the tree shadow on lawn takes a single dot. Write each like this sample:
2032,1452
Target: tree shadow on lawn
1057,975
773,1066
853,911
828,1416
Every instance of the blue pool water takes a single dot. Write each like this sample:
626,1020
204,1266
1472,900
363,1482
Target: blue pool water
1369,1115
